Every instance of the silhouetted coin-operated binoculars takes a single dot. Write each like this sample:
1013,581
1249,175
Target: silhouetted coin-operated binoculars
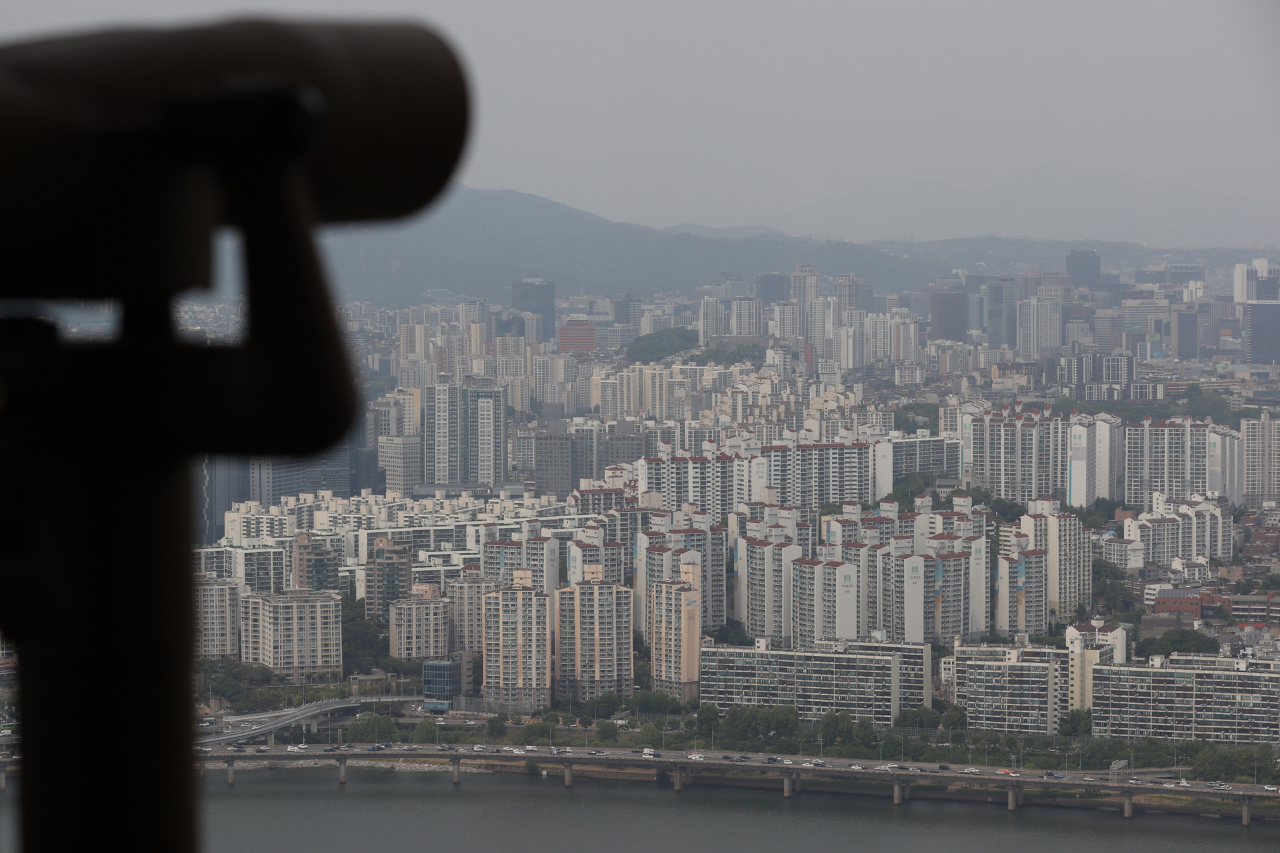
121,153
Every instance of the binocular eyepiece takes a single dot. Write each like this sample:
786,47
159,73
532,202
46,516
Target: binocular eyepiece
116,147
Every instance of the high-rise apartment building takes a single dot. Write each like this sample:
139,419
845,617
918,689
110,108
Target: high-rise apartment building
1040,326
675,637
466,595
464,433
501,559
420,627
1180,458
1261,460
746,317
1016,455
217,623
315,561
1020,602
711,320
849,291
296,634
388,576
1068,561
518,628
594,640
1000,312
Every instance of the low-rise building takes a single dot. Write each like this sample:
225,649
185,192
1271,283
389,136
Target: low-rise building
865,684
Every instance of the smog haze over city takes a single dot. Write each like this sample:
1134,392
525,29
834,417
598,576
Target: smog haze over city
852,120
757,411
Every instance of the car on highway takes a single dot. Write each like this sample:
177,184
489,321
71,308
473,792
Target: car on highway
1184,784
806,764
855,767
203,749
885,767
914,770
1272,788
478,748
264,749
787,761
1088,779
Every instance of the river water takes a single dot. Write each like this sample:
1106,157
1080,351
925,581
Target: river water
304,809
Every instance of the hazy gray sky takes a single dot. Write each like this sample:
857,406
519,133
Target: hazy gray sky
726,113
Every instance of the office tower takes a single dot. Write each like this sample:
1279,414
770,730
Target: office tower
1016,455
518,628
219,482
948,316
848,292
537,297
1184,327
1180,458
1000,310
1050,284
772,288
419,627
466,596
1108,330
552,464
1085,269
274,477
401,457
388,576
594,640
711,320
1261,332
217,622
626,309
745,317
1039,329
1261,460
316,561
296,634
675,637
577,335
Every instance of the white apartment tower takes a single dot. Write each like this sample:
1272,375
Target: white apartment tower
296,633
466,595
1180,458
420,627
594,641
518,627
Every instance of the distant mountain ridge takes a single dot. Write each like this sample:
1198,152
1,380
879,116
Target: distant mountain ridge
479,241
1055,202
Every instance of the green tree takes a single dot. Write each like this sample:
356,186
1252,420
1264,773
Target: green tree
607,731
425,732
954,718
371,727
864,732
497,726
1177,640
708,718
551,717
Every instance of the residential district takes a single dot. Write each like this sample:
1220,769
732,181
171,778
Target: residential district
1042,499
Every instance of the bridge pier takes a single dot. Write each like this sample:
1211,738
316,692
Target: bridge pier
897,793
342,771
313,725
788,787
1013,799
231,771
271,739
679,782
568,775
1244,811
1128,804
457,771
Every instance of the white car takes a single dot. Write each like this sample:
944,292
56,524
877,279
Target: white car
806,764
1184,784
1169,785
884,767
477,748
1088,779
786,761
855,766
518,751
1272,788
